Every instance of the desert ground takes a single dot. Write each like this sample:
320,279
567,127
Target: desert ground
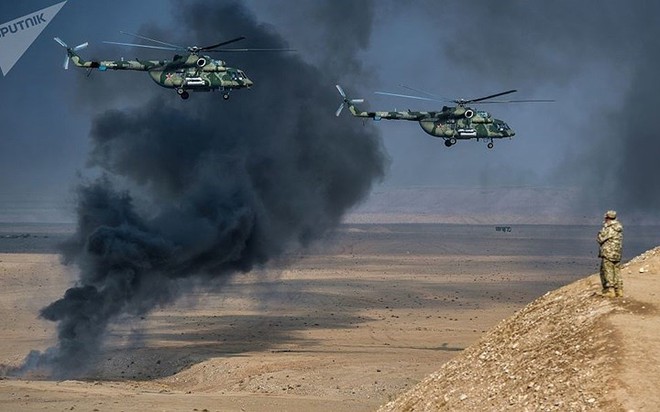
346,325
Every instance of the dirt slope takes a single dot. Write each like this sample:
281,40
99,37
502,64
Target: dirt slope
569,350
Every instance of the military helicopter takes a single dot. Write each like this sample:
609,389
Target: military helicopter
187,71
450,123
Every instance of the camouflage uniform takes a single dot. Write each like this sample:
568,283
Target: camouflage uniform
610,239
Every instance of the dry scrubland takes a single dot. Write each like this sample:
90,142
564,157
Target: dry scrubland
350,325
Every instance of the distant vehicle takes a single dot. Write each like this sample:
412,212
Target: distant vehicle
188,71
455,123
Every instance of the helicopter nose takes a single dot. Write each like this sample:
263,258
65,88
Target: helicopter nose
248,82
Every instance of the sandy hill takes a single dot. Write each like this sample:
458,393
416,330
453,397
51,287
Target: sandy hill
570,350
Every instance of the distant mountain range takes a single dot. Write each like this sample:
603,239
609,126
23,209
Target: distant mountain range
501,205
460,205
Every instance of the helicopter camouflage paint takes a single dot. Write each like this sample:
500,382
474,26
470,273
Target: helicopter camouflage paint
191,72
451,123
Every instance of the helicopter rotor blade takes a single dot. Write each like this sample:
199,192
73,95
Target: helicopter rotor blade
224,43
341,91
520,101
346,102
81,46
486,97
153,40
66,57
247,50
57,39
408,96
143,45
439,98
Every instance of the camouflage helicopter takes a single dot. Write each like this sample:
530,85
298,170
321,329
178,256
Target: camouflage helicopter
450,123
187,71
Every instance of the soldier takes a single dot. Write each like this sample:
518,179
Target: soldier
610,239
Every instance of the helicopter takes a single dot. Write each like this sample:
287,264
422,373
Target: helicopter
455,123
189,71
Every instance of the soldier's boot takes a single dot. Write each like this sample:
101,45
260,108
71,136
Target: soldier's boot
618,292
609,293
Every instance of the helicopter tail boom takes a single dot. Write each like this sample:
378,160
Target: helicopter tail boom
392,115
71,55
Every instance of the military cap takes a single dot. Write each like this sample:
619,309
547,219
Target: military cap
610,214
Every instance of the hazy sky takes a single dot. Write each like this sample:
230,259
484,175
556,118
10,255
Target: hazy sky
595,58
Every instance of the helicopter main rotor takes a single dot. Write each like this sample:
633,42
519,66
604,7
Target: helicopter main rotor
461,102
190,49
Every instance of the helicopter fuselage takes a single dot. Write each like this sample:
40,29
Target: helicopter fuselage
191,72
457,122
465,123
199,73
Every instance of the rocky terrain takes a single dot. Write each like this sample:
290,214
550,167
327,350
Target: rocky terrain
570,350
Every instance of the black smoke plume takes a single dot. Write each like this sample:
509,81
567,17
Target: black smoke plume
197,190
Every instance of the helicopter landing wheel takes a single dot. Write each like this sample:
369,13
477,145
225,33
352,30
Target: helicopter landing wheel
448,143
184,95
490,145
225,96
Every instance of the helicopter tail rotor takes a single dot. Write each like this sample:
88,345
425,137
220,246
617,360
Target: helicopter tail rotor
69,51
347,102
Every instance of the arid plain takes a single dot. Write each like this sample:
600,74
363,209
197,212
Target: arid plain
348,324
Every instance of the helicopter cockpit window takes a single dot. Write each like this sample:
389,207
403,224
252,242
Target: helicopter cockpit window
483,114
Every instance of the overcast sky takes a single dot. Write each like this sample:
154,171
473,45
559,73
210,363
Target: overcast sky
595,58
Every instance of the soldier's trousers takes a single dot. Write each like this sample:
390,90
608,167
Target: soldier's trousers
610,275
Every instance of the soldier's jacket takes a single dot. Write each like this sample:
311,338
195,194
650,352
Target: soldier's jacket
610,239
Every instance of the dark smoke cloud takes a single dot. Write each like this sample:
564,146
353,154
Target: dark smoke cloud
331,34
216,187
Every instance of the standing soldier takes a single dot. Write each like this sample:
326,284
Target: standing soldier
610,239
